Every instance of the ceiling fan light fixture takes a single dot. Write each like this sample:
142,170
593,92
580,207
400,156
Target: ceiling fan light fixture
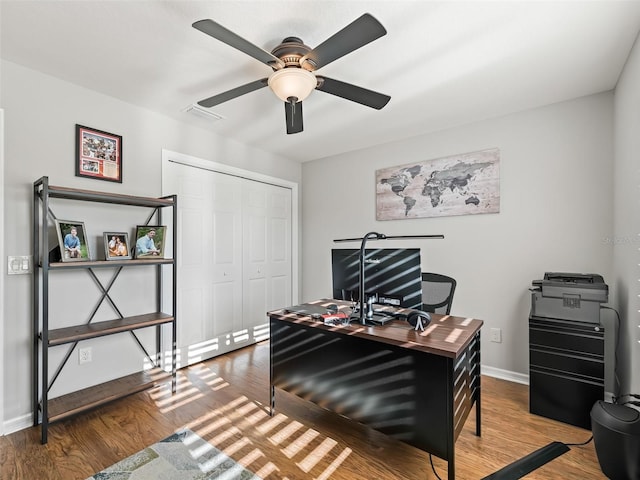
292,82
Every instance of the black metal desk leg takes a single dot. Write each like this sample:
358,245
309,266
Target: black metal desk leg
272,403
451,442
478,379
478,424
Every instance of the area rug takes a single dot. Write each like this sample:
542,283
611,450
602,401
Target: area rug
182,456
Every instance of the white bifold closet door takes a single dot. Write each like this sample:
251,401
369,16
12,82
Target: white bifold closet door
234,258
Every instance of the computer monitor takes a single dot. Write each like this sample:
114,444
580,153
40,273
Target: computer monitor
393,275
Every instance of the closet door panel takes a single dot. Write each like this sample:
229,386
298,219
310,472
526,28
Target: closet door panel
255,301
235,260
225,313
255,259
279,244
193,292
226,253
192,306
209,226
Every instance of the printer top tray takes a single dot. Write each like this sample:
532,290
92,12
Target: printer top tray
569,296
589,286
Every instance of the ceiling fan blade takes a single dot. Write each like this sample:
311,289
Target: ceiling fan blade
234,40
233,93
293,114
352,92
355,35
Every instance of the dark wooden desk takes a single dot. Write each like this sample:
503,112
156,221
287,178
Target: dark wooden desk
418,387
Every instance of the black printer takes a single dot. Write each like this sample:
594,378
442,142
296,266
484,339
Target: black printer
569,296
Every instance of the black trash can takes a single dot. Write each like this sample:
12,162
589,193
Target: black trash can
616,433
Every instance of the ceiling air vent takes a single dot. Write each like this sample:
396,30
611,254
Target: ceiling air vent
202,112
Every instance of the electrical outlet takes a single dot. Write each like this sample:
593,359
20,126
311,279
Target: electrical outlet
496,335
84,355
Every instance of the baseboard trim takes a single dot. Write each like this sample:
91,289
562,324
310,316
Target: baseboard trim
504,374
17,424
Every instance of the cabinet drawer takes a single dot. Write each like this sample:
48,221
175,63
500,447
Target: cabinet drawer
588,366
563,398
566,337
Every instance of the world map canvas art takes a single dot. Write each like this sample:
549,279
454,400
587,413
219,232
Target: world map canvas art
463,184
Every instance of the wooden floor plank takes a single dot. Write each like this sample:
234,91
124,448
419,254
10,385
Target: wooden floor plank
225,400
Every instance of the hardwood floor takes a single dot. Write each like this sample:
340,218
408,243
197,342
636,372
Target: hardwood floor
225,400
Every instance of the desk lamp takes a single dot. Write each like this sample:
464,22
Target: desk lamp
375,236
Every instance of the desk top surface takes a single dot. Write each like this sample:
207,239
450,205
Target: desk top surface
446,335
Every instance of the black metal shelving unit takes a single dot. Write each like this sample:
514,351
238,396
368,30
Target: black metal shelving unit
47,410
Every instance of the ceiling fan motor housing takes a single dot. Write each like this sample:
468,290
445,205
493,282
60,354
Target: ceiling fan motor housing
290,51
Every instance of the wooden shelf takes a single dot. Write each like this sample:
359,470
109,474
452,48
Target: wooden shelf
89,398
76,333
109,263
105,197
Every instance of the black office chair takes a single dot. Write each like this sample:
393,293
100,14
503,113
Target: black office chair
437,293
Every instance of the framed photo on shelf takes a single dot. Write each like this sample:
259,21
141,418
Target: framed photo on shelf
98,154
72,238
150,240
116,246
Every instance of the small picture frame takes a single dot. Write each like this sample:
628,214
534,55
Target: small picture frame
116,246
72,238
98,154
150,241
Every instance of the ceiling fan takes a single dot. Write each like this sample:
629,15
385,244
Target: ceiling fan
293,64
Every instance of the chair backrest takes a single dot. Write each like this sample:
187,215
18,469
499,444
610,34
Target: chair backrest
437,293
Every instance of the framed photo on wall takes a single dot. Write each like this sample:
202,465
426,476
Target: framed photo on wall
116,246
98,154
150,240
72,238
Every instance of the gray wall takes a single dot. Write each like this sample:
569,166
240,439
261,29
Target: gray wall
40,117
556,174
627,220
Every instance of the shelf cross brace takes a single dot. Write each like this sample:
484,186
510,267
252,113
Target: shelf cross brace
105,294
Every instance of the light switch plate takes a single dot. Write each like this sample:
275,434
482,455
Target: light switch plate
19,265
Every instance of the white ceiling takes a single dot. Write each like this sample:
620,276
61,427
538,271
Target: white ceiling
443,63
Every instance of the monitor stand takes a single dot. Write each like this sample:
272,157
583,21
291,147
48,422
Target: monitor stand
378,319
370,318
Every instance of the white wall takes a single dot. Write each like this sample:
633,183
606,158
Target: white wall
627,219
3,267
40,117
556,202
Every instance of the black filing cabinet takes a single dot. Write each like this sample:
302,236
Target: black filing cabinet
566,369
